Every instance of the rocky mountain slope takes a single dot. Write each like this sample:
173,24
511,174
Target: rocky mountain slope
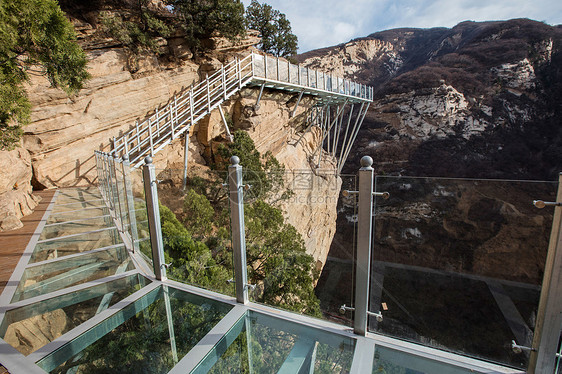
481,99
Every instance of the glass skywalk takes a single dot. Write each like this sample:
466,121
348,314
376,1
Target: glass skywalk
91,294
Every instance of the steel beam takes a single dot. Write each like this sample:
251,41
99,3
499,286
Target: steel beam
299,357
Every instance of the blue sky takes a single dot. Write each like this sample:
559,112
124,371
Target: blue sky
323,23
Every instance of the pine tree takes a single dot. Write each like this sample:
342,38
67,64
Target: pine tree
202,18
274,28
35,38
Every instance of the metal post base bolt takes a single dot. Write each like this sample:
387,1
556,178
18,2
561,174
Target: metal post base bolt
517,349
541,204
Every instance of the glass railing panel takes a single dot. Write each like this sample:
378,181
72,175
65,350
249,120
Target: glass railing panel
258,65
294,74
196,228
303,76
558,362
143,231
77,215
56,275
283,70
458,264
388,360
140,235
151,335
30,327
335,285
293,258
122,212
77,227
58,208
271,68
56,248
262,344
321,80
313,78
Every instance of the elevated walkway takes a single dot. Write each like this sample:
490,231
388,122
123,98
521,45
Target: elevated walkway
74,293
333,94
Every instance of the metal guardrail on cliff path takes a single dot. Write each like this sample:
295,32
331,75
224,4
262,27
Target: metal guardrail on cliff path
182,112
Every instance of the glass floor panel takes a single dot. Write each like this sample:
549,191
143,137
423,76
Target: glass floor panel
31,327
68,199
78,206
52,276
75,244
74,216
262,344
80,192
138,338
63,199
70,228
391,361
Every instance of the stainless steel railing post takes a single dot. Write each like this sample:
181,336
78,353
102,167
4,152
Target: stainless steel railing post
236,195
364,229
153,210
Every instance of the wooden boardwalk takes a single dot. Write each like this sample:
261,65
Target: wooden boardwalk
13,243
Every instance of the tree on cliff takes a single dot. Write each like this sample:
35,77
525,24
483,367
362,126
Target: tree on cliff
201,251
274,28
35,38
203,18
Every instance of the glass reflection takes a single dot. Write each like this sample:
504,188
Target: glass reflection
262,344
70,228
149,336
74,216
458,264
52,276
390,361
52,249
30,327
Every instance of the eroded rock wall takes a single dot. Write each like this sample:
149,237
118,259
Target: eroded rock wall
65,131
16,198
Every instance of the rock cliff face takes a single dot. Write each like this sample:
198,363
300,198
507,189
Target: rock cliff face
65,131
312,207
452,102
480,100
16,199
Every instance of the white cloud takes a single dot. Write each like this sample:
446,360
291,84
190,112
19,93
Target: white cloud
323,23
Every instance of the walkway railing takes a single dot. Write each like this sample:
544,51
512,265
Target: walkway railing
379,304
166,124
176,118
276,70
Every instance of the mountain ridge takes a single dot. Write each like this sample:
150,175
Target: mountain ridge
483,96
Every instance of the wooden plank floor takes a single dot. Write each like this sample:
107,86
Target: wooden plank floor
13,243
